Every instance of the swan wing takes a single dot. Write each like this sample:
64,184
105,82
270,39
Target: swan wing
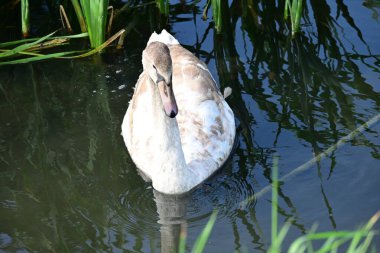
205,121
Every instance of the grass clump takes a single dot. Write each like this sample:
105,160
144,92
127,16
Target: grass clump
356,241
293,9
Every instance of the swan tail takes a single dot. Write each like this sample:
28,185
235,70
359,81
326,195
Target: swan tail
227,92
163,37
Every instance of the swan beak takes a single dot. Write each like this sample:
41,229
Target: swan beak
168,99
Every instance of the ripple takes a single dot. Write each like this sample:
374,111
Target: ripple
222,192
137,208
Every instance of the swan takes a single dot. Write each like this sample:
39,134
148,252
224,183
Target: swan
178,128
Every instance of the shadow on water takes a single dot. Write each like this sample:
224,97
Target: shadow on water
68,184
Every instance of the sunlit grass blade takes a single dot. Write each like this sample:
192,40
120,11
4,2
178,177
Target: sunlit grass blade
25,18
359,239
16,42
274,199
163,6
78,12
202,239
277,238
109,26
205,9
37,58
217,14
101,47
95,13
64,19
40,47
24,46
293,8
297,10
182,239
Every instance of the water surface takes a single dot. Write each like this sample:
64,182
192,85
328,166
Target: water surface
68,184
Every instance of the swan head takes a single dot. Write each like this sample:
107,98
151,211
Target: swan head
158,64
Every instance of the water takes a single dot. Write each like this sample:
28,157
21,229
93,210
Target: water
67,182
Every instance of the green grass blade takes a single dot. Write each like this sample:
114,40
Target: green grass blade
182,239
217,14
101,47
95,13
25,18
16,42
202,239
327,246
326,235
286,9
79,13
298,14
299,245
37,58
367,242
163,6
274,200
24,46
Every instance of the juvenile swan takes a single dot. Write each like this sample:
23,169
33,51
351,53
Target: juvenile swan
178,128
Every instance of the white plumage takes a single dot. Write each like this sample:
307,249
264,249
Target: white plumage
178,128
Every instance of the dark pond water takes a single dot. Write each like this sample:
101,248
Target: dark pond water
67,183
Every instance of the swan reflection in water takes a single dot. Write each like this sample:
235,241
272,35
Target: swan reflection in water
172,218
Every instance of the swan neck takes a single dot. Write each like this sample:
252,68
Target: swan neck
172,173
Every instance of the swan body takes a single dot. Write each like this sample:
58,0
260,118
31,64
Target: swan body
178,128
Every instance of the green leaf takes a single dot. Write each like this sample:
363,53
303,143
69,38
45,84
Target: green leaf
202,239
16,42
37,58
24,47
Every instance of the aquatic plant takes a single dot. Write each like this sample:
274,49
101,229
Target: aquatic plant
216,13
30,51
95,13
92,24
293,9
356,241
202,239
163,6
25,18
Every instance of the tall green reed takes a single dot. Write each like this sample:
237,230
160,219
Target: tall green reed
217,14
202,239
293,9
95,13
25,18
78,12
163,6
356,241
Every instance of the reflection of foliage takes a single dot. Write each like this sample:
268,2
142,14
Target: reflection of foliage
62,145
311,85
60,168
311,79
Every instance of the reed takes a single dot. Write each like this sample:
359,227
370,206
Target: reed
202,239
293,9
356,241
78,12
30,51
95,13
217,14
25,18
163,6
